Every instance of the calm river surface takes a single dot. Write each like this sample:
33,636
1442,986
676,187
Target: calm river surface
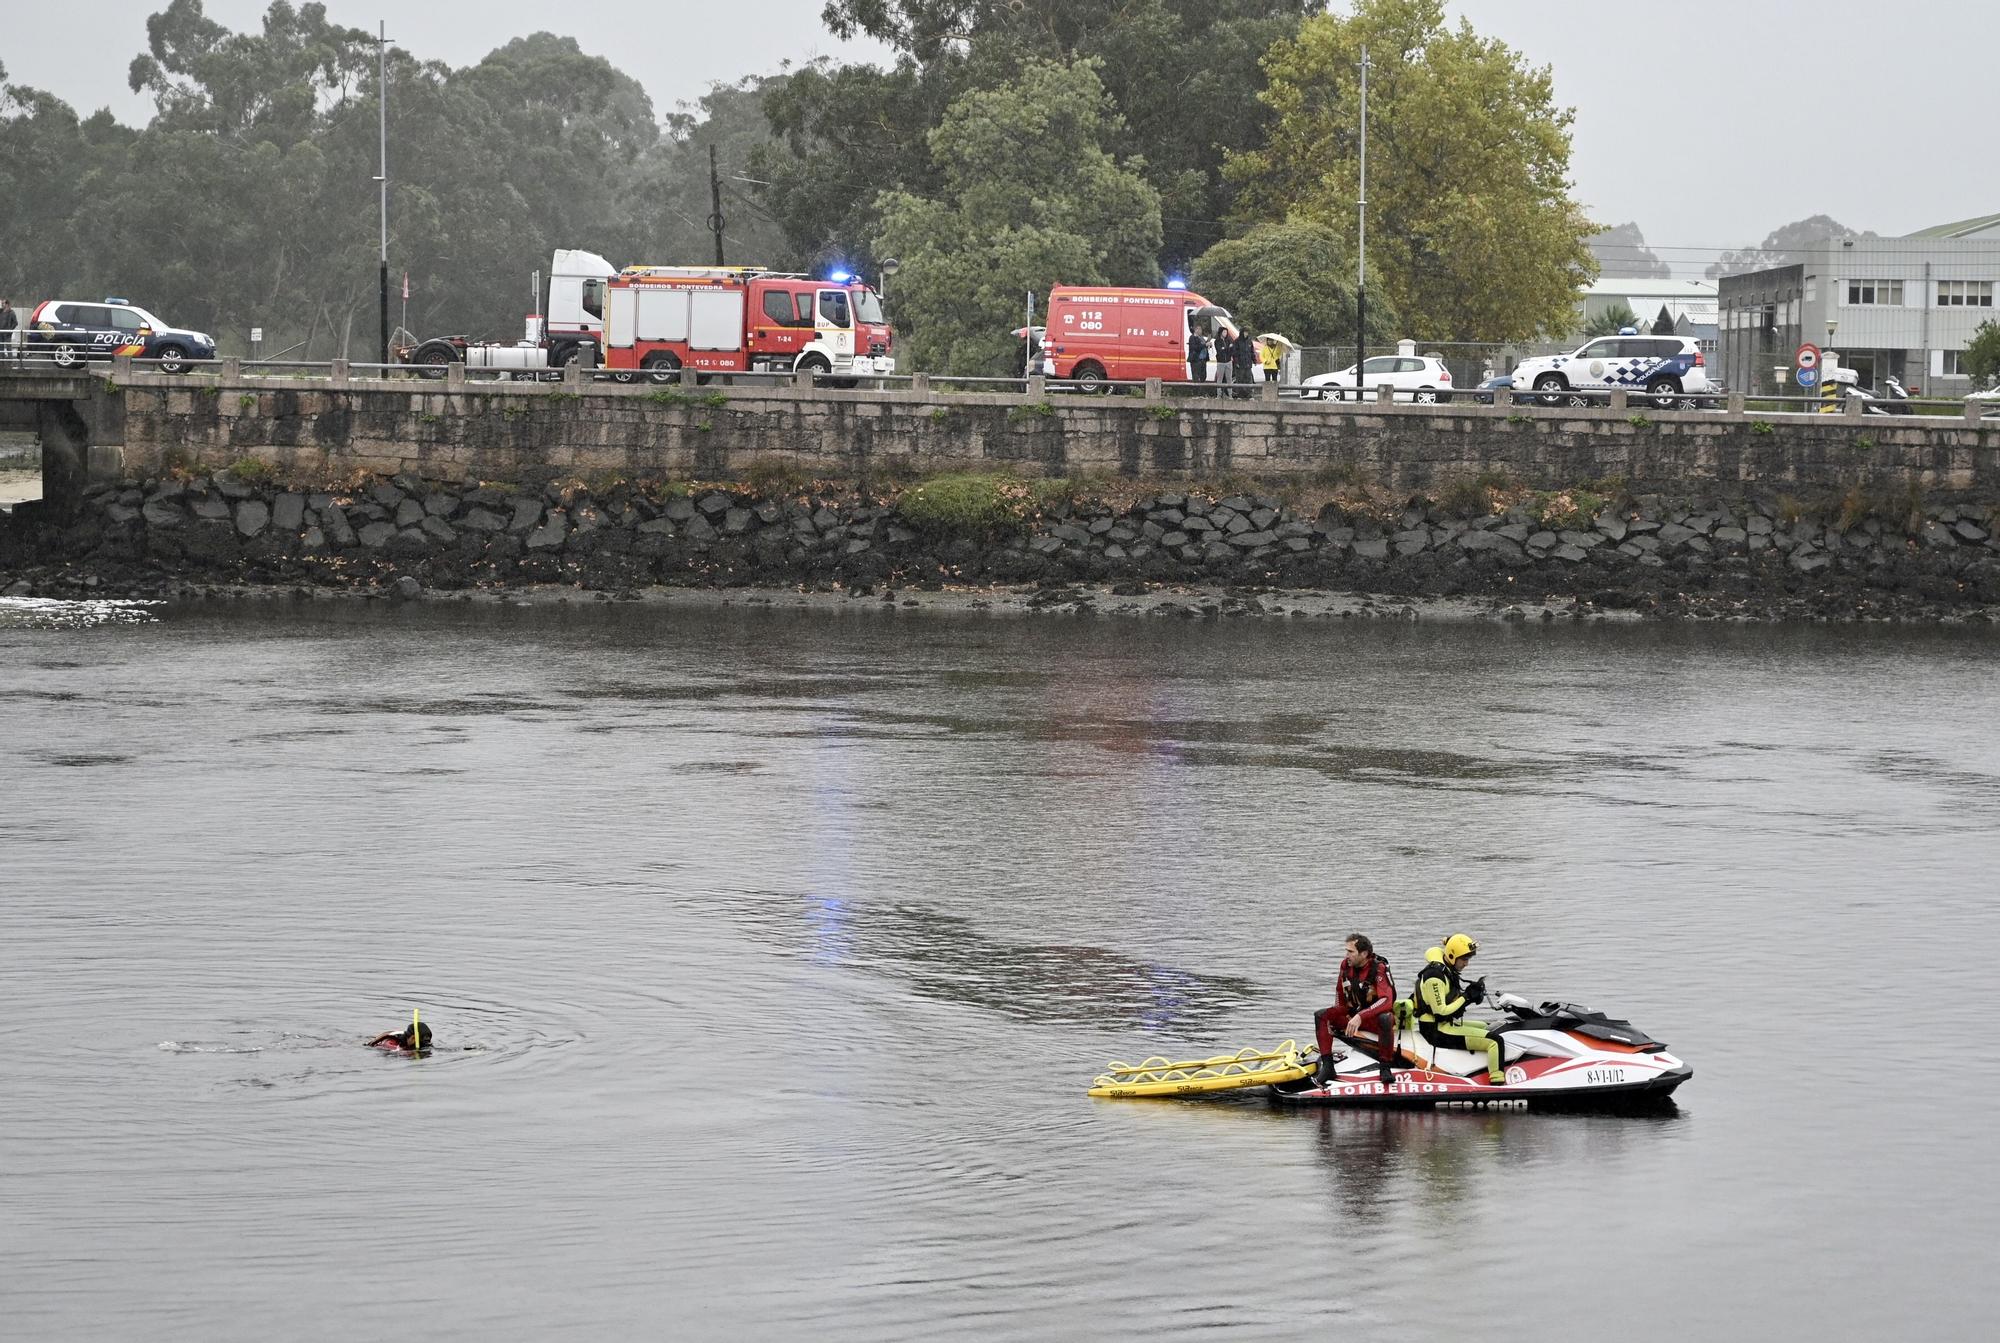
787,942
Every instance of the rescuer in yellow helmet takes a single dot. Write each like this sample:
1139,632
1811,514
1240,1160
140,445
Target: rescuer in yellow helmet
1441,1001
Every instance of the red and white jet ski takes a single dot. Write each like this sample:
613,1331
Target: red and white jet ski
1557,1056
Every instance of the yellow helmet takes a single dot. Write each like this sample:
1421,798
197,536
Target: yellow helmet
1458,944
1434,954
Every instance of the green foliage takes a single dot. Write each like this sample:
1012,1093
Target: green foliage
1982,354
1609,322
247,401
263,136
962,505
1026,197
1518,418
851,131
559,398
1035,412
673,396
251,470
939,414
1295,278
1469,211
1559,509
1638,422
1164,413
1761,427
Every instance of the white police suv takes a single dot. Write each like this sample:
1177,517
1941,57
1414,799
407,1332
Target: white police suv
1662,365
69,332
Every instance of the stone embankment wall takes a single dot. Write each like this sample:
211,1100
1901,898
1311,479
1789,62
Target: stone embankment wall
532,433
1755,553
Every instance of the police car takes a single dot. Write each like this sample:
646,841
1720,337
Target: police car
70,332
1665,366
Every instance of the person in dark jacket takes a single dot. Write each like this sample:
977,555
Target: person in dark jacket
1197,355
8,321
1243,362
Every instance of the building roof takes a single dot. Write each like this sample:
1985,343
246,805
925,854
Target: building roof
1964,228
1670,289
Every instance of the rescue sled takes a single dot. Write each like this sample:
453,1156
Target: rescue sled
1249,1067
1555,1055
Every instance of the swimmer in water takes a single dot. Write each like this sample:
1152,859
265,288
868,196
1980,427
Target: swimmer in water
411,1039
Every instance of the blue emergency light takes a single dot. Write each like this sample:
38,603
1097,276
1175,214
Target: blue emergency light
1177,283
840,277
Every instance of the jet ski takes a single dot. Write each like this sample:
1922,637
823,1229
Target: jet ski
1557,1056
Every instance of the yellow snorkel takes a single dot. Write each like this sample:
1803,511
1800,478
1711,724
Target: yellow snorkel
416,1034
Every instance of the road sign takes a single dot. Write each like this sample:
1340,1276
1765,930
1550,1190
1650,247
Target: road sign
1807,377
256,333
1807,357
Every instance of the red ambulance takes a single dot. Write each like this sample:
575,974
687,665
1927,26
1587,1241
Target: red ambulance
1100,333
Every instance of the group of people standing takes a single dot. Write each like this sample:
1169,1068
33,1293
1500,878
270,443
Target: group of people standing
1365,1008
1236,356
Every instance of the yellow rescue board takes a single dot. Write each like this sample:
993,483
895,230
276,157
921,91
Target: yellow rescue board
1248,1067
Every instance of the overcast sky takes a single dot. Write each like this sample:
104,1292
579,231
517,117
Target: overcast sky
1708,122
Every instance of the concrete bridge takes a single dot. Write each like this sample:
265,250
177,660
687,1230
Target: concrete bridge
78,417
333,421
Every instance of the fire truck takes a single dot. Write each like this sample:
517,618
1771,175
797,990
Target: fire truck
735,319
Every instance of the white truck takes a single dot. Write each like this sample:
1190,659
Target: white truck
570,326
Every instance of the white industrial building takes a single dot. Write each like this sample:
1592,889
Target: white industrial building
1690,305
1903,307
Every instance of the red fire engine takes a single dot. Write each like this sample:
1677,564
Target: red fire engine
732,319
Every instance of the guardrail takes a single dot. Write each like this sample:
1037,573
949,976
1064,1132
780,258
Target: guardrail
1265,395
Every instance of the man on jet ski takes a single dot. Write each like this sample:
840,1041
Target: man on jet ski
1365,1001
1441,1002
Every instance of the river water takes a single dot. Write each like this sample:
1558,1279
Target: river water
773,951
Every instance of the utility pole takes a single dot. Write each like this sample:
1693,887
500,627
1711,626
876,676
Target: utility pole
715,204
1361,248
382,108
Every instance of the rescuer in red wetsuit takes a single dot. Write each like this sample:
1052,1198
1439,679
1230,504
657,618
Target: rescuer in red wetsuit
1365,995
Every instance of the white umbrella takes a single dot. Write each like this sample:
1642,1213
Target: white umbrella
1273,338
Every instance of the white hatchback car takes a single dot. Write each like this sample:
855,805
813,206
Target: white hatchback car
1662,365
1420,378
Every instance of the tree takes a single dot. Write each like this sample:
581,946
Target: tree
1028,198
1469,213
1611,321
1295,278
1783,246
1183,75
1982,354
1622,254
669,196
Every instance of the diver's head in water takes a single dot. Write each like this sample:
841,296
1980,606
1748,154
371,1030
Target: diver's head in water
415,1038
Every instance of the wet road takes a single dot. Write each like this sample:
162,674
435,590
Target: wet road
776,950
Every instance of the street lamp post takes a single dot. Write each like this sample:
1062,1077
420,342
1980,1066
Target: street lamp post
1361,248
382,177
